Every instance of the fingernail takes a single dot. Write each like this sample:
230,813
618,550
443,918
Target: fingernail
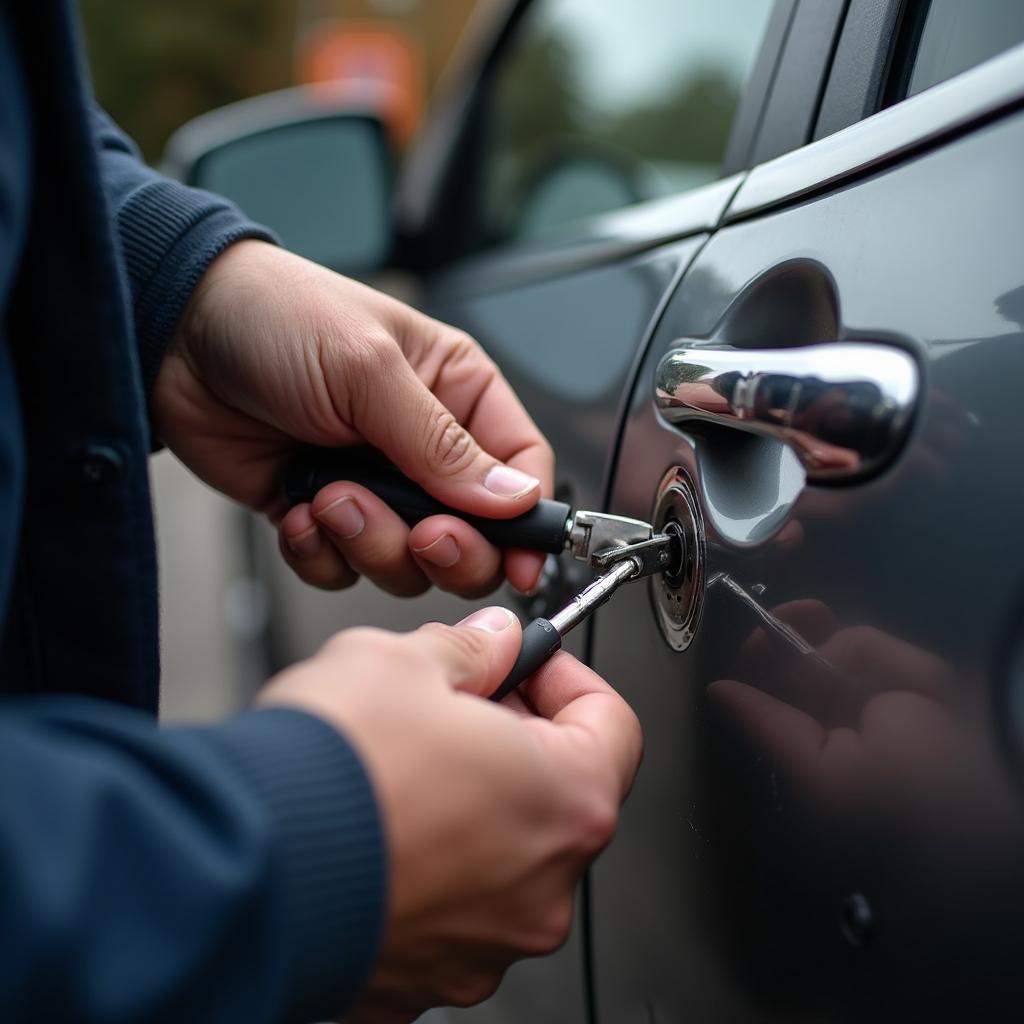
508,482
490,620
343,518
443,552
306,544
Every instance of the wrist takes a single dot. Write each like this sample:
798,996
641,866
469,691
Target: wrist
233,269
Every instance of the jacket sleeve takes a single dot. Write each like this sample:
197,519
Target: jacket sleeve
229,873
169,235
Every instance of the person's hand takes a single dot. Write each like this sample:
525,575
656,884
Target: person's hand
491,811
877,726
273,351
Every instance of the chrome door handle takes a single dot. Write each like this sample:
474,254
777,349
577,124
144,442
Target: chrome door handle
845,408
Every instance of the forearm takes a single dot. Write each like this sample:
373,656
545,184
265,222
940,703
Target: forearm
229,873
169,234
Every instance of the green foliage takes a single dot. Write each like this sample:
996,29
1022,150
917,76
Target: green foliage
158,63
538,94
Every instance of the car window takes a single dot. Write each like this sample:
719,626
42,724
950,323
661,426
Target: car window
945,37
594,106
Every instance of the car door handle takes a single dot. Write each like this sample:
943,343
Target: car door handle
845,408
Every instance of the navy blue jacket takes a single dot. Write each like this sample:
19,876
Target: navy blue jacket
230,873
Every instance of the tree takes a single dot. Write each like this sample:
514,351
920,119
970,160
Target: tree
156,64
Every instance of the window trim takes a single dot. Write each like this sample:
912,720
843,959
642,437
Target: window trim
904,52
797,89
754,101
856,81
972,98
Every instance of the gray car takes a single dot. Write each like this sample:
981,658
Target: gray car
757,268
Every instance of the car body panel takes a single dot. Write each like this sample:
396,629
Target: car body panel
604,239
875,876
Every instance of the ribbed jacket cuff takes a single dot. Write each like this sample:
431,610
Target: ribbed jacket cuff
169,235
330,852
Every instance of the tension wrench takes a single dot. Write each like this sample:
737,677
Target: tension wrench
622,549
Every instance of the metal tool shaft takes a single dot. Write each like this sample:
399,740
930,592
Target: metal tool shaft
542,637
593,596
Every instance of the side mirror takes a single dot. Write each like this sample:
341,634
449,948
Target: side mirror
303,162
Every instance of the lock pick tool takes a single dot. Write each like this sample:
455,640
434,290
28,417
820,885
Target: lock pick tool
621,549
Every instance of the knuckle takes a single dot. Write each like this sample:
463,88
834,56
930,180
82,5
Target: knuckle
369,353
462,344
597,818
449,447
468,646
556,927
370,361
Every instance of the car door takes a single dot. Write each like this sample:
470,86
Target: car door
538,214
828,822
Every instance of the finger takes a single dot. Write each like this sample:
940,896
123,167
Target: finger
789,538
817,686
523,569
370,535
827,760
469,384
882,662
514,702
309,554
503,427
476,654
812,619
430,445
583,706
790,736
455,557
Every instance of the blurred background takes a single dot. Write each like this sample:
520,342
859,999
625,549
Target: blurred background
155,66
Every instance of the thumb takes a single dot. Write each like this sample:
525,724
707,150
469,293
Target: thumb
476,654
427,443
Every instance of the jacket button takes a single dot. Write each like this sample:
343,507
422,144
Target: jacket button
100,464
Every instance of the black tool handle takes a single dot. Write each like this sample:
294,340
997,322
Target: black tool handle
540,641
540,529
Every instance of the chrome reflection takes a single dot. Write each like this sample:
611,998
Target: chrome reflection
844,408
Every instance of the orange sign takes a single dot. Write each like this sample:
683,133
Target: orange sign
374,64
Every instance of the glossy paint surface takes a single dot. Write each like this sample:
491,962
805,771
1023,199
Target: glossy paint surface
836,836
567,345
